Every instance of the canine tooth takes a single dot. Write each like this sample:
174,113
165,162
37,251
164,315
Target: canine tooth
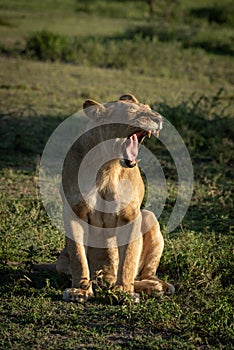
149,133
157,133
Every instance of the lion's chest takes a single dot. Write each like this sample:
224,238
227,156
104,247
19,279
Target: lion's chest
118,186
118,195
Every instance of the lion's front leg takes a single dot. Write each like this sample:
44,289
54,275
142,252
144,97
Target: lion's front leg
81,286
129,253
128,265
76,237
153,245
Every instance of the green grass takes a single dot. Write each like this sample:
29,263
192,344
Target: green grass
181,63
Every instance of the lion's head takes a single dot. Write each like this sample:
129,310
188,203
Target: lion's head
127,119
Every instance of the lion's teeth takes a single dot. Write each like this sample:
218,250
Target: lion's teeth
149,133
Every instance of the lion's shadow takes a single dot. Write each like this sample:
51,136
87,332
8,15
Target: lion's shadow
18,281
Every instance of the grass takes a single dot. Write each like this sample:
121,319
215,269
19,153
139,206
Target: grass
180,62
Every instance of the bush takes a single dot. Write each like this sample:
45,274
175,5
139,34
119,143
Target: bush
138,47
213,40
101,52
46,45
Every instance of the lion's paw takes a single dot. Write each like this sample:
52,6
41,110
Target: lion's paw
77,294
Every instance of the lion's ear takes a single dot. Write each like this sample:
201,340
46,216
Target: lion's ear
129,97
93,109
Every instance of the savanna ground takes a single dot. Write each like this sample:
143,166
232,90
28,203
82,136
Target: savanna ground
179,59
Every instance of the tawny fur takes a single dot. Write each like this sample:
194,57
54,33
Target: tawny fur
132,266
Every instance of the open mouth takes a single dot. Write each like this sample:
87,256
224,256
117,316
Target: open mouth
143,133
133,141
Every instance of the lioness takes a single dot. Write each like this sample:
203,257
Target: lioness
105,227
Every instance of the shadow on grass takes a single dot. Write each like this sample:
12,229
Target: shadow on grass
23,136
22,282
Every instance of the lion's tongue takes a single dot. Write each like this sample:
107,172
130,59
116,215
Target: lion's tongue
132,147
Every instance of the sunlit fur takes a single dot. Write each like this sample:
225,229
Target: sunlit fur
131,266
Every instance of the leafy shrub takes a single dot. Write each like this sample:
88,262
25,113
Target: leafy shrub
46,45
137,47
102,52
212,40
